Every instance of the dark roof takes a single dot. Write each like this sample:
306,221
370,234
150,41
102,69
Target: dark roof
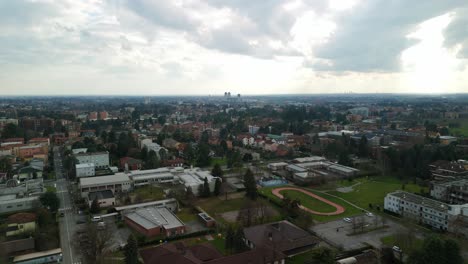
180,253
254,256
130,160
105,194
21,218
282,235
17,245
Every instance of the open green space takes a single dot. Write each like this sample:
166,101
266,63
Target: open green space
349,209
148,192
220,161
373,190
215,205
300,258
460,130
406,243
308,201
186,215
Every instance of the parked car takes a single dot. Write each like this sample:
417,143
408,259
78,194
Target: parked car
347,220
397,249
369,214
96,219
61,214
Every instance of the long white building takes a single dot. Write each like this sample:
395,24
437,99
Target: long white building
424,210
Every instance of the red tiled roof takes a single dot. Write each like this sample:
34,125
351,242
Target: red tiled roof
22,218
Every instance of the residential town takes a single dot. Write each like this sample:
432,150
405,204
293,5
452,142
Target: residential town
224,179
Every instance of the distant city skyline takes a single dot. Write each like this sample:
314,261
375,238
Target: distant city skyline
195,47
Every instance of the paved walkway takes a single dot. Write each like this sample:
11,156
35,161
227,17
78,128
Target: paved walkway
339,209
348,188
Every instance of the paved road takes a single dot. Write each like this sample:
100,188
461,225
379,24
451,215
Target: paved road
67,223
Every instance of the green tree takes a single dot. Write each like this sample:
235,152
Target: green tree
50,200
94,209
131,251
436,251
250,185
217,187
152,161
206,188
203,157
363,148
217,171
10,131
229,242
322,255
5,166
238,240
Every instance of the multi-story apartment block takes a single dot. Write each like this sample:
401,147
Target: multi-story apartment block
100,159
426,211
452,192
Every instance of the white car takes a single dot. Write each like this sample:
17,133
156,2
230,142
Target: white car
369,214
347,220
96,219
397,249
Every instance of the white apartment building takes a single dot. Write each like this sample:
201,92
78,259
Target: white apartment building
85,170
99,159
427,211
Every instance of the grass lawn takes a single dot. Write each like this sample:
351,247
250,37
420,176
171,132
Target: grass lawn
309,202
301,258
349,209
149,193
373,190
215,205
407,247
462,130
220,161
186,215
51,189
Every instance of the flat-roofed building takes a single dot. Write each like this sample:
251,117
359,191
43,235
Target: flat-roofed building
116,183
310,159
453,192
12,203
85,170
104,198
426,211
147,177
170,204
154,221
276,166
99,159
193,178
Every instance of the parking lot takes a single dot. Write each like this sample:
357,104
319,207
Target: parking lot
337,232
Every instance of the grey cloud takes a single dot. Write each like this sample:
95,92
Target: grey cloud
456,32
268,21
22,13
372,36
163,13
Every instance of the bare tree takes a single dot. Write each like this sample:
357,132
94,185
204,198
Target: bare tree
94,243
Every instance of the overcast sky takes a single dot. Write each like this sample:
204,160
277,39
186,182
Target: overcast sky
164,47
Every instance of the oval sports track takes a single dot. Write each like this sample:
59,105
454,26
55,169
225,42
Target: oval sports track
339,209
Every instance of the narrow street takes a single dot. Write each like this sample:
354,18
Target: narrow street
67,223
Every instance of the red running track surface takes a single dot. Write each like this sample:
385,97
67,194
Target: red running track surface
339,209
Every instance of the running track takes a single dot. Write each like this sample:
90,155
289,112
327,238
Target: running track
339,209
